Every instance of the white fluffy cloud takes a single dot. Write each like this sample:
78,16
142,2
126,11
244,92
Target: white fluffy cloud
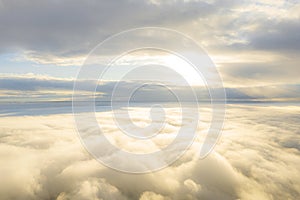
257,158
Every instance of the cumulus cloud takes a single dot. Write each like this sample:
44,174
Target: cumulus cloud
253,160
256,46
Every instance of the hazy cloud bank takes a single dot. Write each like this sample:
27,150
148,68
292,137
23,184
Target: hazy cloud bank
25,87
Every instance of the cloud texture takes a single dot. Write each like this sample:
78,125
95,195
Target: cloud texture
254,42
24,87
256,158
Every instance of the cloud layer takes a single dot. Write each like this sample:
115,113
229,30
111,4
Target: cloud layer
256,158
24,87
254,42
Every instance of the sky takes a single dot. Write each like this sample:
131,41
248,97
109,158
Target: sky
254,44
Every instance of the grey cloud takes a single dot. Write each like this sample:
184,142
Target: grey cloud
61,89
74,27
33,84
257,30
277,36
275,72
64,32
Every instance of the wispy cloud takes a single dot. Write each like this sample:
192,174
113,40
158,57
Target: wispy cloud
49,88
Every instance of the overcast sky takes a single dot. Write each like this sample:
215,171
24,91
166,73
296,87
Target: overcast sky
253,43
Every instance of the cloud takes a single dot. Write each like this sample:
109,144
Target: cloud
262,74
74,27
281,36
30,82
63,33
45,160
46,88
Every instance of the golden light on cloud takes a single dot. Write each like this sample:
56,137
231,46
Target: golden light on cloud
152,59
126,100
